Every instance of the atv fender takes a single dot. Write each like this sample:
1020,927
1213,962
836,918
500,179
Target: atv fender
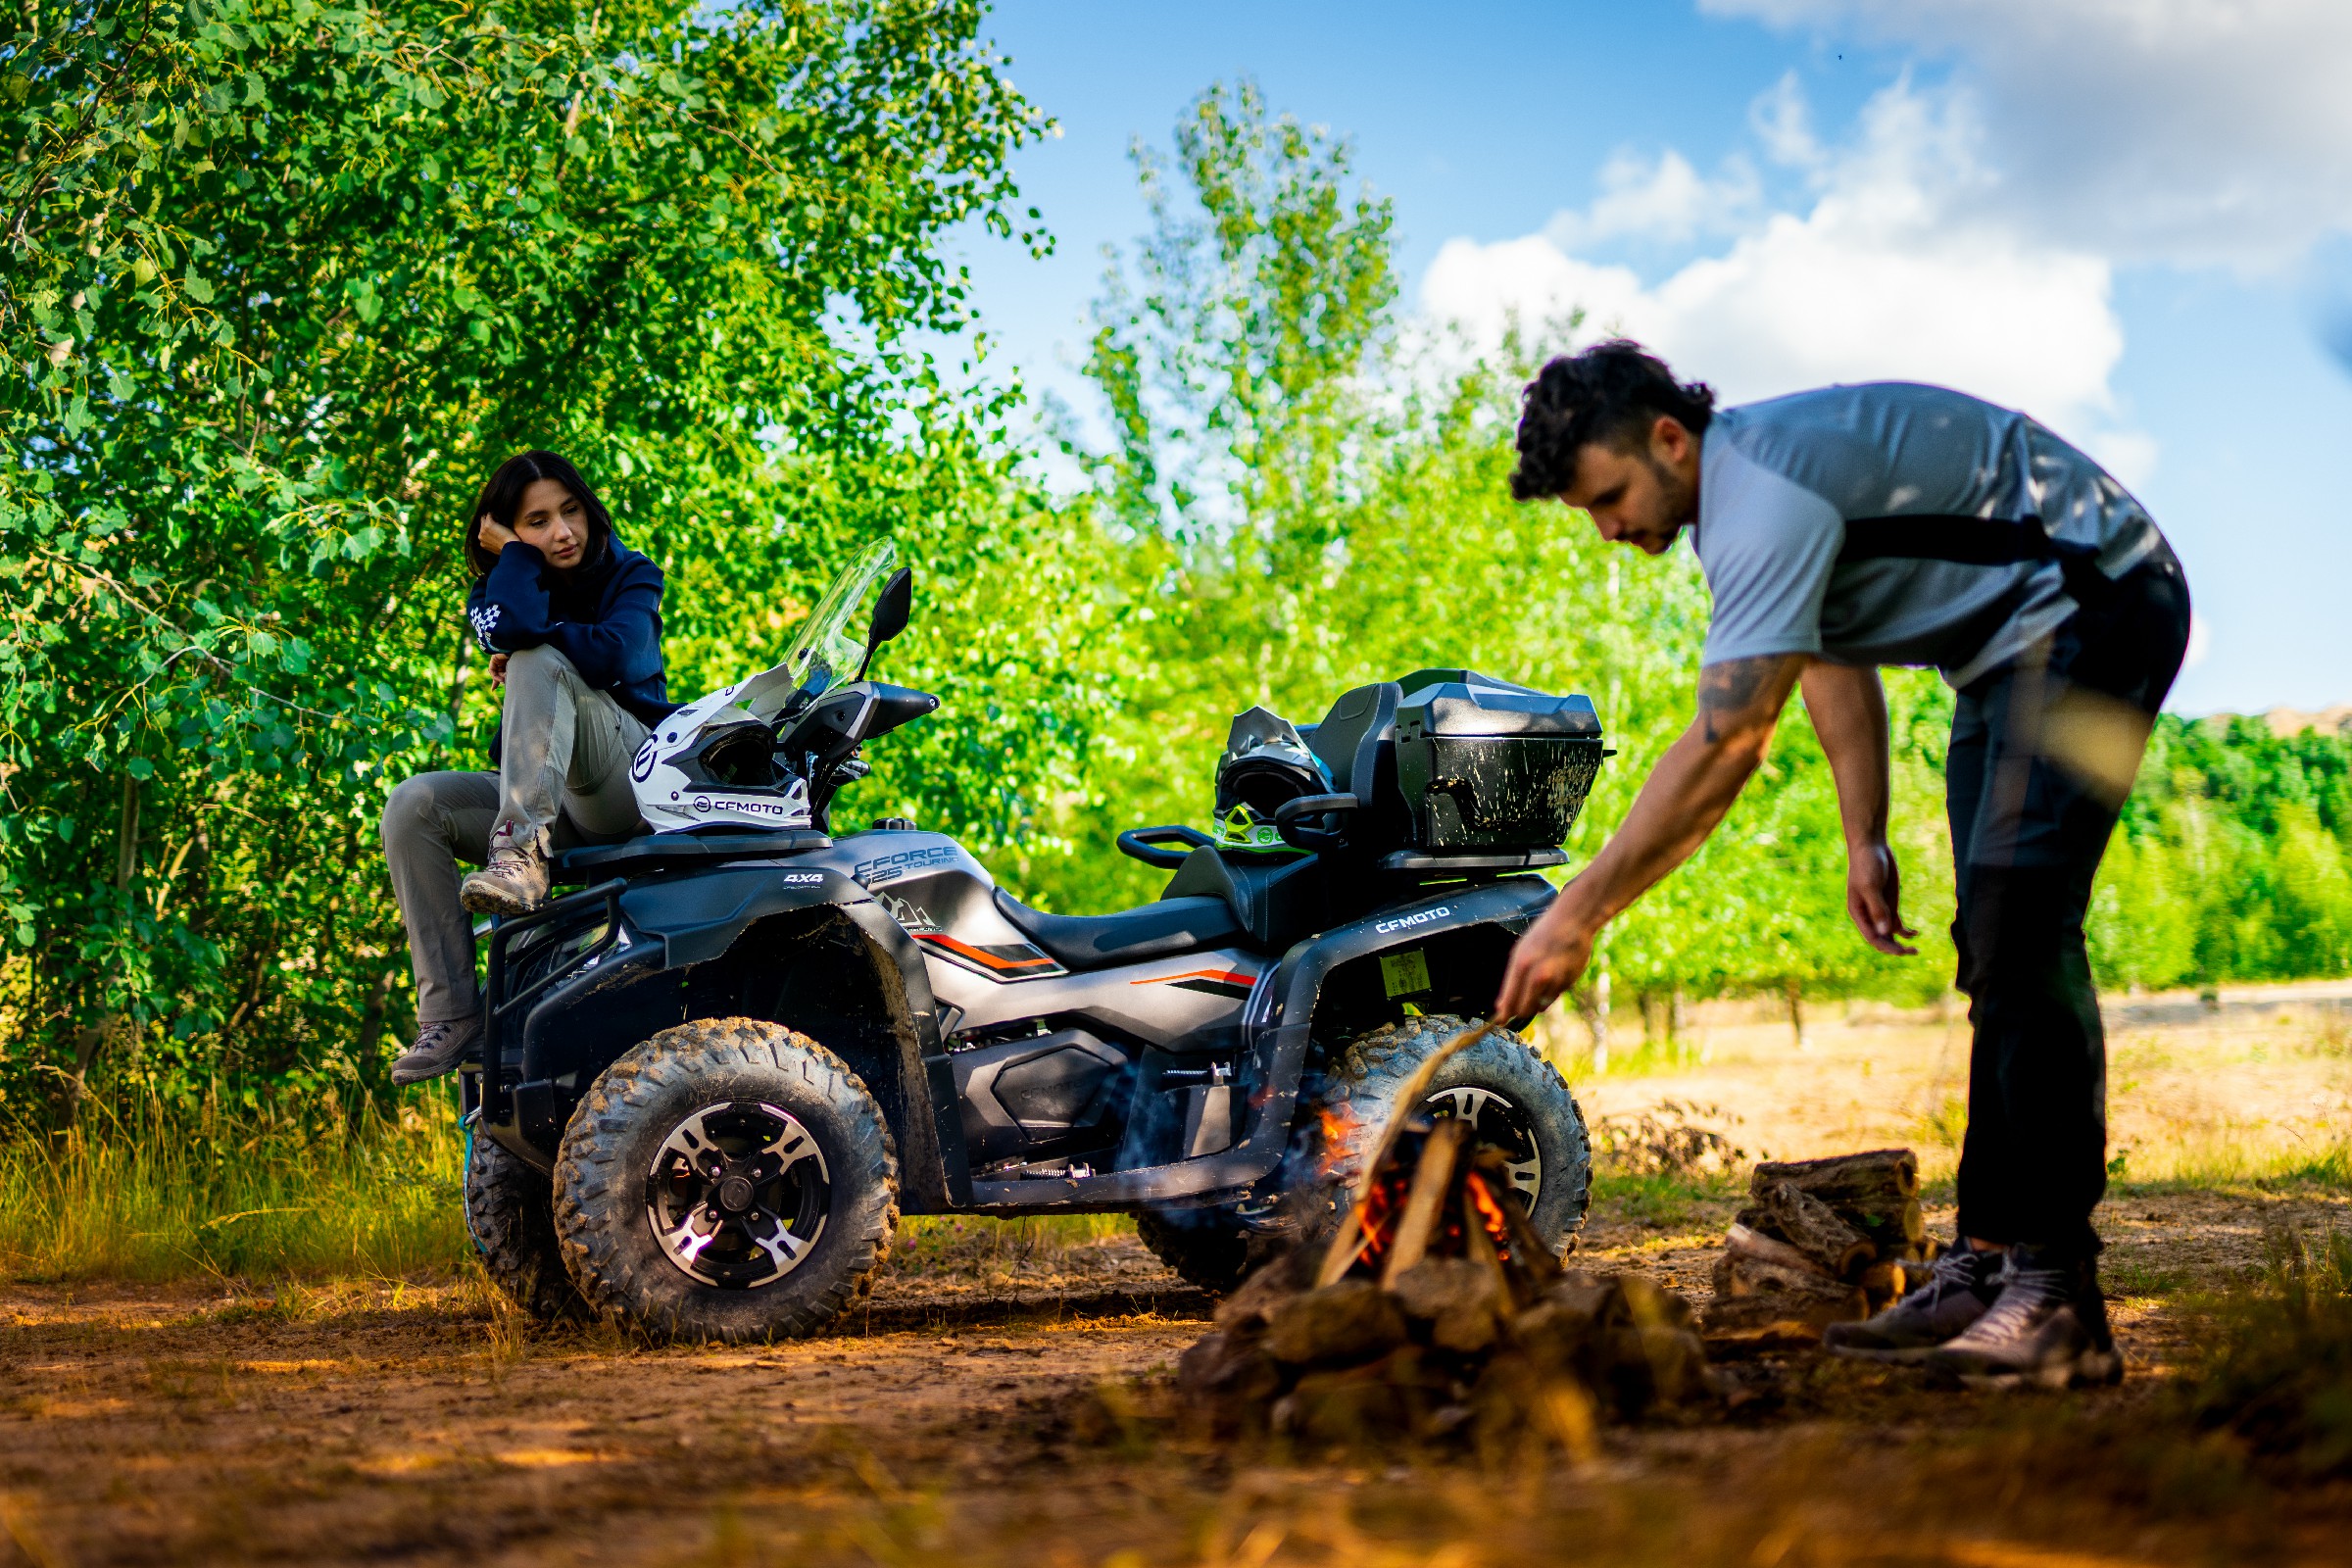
1276,1027
674,925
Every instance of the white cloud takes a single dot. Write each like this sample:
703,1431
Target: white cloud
1881,279
1666,200
2183,131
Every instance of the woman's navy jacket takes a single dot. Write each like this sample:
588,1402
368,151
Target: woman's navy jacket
605,618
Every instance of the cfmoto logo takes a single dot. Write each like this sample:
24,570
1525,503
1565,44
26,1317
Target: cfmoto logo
1408,921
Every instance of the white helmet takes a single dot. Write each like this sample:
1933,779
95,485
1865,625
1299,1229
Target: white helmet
713,761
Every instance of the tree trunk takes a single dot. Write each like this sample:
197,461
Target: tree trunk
1795,993
371,1019
1593,1005
127,835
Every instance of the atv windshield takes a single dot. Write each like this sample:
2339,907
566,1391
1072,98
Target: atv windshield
831,641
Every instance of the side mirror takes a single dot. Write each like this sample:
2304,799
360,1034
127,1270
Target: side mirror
890,614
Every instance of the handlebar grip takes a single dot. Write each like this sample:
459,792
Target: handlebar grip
1138,841
1286,821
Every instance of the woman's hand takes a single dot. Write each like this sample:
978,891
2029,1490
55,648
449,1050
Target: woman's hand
495,535
497,669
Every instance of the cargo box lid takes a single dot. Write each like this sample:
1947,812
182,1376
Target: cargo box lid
1465,702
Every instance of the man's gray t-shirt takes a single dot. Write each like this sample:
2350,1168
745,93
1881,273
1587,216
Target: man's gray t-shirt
1780,480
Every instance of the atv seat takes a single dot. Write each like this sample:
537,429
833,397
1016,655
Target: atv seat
1098,941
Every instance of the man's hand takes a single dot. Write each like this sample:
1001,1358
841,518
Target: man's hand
1685,795
1544,962
497,669
495,535
1874,897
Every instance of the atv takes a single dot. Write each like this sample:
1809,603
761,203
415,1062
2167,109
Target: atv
719,1070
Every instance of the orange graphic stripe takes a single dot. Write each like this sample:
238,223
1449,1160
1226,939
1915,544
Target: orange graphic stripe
967,950
1230,977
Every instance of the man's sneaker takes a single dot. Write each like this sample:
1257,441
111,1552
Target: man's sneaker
2047,1328
439,1047
1960,1289
514,882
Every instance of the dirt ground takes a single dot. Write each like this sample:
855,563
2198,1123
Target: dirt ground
1008,1403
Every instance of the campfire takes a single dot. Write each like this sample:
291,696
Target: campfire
1437,1311
1821,1240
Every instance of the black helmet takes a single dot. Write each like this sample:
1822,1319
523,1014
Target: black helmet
1265,765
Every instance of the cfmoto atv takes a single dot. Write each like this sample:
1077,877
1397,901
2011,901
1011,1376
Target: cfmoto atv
717,1072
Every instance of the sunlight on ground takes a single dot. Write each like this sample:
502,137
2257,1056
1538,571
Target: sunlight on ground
2257,1086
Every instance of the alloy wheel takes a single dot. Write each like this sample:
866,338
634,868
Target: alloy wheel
737,1195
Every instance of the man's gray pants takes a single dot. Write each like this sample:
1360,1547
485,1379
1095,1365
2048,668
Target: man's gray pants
562,778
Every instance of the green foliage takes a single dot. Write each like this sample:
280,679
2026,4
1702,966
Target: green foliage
1313,500
284,281
2231,863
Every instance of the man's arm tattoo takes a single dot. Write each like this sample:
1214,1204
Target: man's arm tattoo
1729,690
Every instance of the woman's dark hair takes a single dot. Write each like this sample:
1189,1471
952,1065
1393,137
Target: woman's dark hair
502,499
1611,393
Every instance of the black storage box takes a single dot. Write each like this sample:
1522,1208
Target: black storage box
1485,764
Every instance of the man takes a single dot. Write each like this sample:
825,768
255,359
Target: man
1899,524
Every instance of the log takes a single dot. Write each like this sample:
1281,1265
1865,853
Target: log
1881,1178
1742,1274
1767,1248
1463,1303
1809,1225
1775,1318
1353,1320
1424,1201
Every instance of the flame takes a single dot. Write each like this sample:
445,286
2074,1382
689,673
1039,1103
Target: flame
1489,1213
1337,1126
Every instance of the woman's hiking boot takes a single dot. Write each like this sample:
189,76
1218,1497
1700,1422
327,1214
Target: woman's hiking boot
2047,1328
440,1048
514,882
1960,1289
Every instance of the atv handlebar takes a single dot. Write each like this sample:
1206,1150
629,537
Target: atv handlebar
1138,842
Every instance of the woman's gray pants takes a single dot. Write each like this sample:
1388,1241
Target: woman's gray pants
562,778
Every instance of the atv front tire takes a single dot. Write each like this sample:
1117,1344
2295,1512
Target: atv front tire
1206,1247
1519,1102
728,1180
510,1214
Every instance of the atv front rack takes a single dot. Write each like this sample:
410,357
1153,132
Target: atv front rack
497,1093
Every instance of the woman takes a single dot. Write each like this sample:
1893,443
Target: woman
572,619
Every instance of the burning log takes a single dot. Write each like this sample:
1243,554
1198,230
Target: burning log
1436,1310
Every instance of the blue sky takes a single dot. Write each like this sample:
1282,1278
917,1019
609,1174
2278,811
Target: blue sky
2125,218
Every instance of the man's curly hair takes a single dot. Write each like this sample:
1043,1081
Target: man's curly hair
1611,393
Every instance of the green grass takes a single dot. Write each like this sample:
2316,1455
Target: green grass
2279,1376
140,1191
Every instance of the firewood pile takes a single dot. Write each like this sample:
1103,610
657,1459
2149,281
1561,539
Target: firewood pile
1437,1312
1820,1242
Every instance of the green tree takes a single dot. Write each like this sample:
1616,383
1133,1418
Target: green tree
284,280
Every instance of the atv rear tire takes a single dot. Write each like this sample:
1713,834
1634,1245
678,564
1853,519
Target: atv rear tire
728,1179
510,1214
1519,1101
1205,1247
